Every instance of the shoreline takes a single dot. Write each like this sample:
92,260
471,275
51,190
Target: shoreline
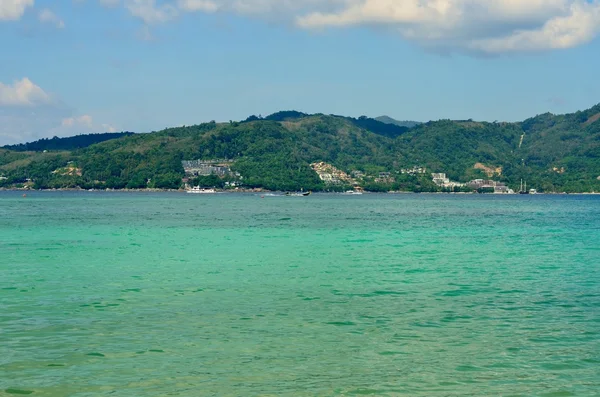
259,190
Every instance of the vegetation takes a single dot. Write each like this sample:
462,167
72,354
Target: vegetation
69,143
553,153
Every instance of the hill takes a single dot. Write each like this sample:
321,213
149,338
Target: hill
69,143
399,123
553,153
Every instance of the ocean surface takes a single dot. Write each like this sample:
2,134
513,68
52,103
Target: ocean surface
168,294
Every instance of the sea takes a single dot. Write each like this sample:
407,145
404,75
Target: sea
172,294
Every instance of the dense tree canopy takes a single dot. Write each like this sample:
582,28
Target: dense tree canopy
69,143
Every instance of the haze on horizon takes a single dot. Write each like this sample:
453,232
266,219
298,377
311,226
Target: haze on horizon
81,66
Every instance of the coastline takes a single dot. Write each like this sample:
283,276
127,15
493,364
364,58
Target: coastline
260,190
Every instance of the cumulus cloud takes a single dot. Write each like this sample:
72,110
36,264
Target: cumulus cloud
488,26
491,26
47,16
150,12
20,125
13,9
198,5
85,121
80,125
27,113
23,93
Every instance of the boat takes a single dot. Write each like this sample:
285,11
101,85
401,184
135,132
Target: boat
299,194
353,192
200,190
523,190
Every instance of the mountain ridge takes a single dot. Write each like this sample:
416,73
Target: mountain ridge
554,153
400,123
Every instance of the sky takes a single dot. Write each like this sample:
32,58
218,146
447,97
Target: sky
69,67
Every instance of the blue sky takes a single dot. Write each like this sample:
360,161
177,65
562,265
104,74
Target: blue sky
78,66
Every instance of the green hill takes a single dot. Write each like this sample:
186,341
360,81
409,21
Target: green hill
551,152
69,143
400,123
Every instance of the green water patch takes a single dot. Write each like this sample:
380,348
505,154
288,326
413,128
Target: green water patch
156,351
55,365
406,337
561,366
455,318
503,365
373,294
468,368
591,360
18,391
341,323
426,324
364,392
417,271
132,290
391,353
457,292
95,354
512,291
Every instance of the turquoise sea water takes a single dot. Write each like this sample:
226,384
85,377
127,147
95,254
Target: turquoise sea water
236,295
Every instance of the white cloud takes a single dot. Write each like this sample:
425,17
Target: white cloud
82,124
84,121
23,93
198,5
19,125
13,9
579,25
150,12
488,26
47,16
28,113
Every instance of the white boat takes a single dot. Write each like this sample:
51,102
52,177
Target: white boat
353,192
300,194
199,190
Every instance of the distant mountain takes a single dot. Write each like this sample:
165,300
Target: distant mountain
553,153
403,123
69,143
381,128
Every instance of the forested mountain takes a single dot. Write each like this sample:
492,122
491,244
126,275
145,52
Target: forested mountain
554,153
69,143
